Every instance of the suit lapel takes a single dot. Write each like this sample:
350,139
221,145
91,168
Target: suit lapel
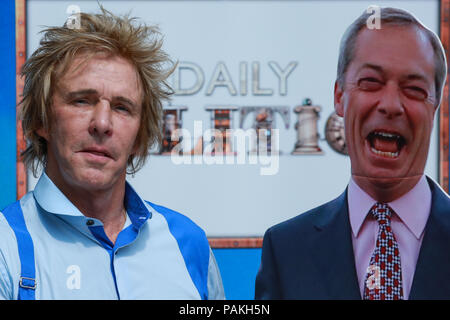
432,276
333,251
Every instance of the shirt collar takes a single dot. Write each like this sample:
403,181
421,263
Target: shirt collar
52,200
418,198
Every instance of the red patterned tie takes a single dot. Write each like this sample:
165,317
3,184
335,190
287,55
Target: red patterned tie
384,274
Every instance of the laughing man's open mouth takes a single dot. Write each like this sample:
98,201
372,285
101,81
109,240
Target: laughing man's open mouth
386,144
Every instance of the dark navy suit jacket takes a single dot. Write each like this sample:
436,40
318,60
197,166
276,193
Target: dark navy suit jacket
311,256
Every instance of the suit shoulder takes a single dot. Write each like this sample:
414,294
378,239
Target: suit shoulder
307,220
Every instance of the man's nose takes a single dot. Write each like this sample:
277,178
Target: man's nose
101,121
390,104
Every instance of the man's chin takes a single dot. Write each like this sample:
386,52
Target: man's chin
386,188
96,180
387,178
382,182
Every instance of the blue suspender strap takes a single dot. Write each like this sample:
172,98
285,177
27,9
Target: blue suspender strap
27,283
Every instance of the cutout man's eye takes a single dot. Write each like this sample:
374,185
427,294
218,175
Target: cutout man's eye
369,84
416,93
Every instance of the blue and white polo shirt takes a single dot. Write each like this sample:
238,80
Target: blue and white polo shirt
159,254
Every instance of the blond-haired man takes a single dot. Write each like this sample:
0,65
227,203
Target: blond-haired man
91,110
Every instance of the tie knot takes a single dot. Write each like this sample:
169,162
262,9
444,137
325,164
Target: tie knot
382,212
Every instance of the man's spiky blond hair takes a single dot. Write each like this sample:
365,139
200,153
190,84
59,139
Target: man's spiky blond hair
107,33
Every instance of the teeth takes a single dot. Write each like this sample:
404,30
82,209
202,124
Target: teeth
387,135
385,153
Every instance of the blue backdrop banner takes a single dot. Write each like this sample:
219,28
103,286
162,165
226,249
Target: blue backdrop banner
8,103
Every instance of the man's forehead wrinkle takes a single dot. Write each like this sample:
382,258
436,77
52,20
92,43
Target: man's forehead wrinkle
75,67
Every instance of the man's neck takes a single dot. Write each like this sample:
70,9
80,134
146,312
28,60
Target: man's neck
106,205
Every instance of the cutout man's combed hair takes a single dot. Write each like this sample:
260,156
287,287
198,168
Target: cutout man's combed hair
107,33
392,17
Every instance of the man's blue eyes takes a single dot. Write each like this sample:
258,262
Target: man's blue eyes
122,108
81,101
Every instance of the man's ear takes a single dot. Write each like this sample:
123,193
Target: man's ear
338,99
43,133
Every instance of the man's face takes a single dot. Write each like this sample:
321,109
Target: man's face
95,118
388,104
